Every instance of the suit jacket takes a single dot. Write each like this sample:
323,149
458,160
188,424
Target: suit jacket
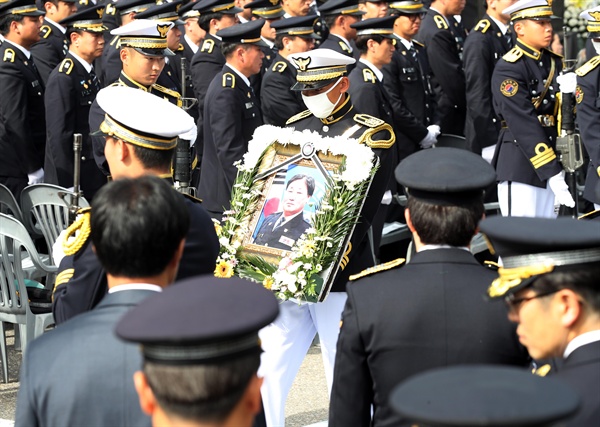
444,51
484,46
81,281
70,92
429,313
229,122
22,121
278,102
284,236
50,50
525,150
81,373
581,370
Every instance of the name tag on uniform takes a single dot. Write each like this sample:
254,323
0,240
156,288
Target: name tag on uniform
35,83
249,105
287,241
408,70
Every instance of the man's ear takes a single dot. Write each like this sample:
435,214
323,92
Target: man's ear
344,84
147,400
409,223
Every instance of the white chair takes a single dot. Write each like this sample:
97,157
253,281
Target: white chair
14,300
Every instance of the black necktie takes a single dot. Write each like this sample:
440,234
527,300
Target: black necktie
508,37
413,52
94,79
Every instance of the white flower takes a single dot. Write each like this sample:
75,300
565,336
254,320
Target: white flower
224,241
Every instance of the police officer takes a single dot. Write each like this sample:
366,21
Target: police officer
22,122
323,83
338,15
524,89
231,115
53,46
486,44
70,92
373,9
550,285
444,50
278,102
587,97
170,76
141,133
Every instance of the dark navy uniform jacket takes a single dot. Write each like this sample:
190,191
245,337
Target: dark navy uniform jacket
380,137
81,280
484,46
444,51
170,76
22,121
70,92
50,50
525,151
430,313
278,102
335,43
285,235
111,62
587,96
185,51
230,119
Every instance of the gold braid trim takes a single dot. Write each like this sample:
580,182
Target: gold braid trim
378,268
62,278
512,277
82,224
367,137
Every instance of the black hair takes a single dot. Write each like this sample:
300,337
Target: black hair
204,19
153,159
6,20
362,41
310,182
582,280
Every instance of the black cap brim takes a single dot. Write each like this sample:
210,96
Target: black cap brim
301,86
155,53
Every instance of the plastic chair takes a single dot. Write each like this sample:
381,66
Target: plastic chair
46,211
14,300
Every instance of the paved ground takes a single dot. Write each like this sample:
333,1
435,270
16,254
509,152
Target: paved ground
307,403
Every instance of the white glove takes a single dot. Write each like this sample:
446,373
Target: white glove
190,136
36,177
58,252
431,137
567,82
387,198
561,190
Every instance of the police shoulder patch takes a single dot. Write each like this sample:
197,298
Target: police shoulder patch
344,46
279,66
66,66
542,371
440,21
9,55
513,55
368,120
180,48
45,31
63,277
228,80
588,66
378,268
207,46
299,116
578,94
110,9
369,76
482,26
509,87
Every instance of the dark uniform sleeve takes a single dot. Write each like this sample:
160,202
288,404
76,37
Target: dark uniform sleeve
60,103
588,118
447,67
46,58
111,64
278,102
352,391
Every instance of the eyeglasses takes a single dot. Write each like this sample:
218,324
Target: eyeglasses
513,304
413,16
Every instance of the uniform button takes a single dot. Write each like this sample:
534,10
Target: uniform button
541,64
552,96
545,101
89,102
253,114
551,88
533,92
494,120
544,81
427,105
83,158
325,128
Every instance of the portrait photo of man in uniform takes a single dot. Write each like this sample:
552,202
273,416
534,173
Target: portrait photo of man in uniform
281,229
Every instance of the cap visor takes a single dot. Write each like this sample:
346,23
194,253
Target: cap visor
233,11
155,53
300,86
260,43
34,13
99,133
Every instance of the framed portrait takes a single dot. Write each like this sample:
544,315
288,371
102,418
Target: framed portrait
294,206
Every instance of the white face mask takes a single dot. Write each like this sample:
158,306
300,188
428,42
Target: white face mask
320,105
596,46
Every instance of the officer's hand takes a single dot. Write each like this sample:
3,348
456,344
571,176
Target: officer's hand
58,253
561,190
190,136
36,177
567,82
431,138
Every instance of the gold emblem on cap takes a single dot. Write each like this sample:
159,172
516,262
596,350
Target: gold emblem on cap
163,30
549,2
302,63
595,15
100,12
274,2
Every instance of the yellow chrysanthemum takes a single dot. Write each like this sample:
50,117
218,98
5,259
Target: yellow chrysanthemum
224,270
218,229
268,282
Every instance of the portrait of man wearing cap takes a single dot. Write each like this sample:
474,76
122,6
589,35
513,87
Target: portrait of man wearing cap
549,281
71,89
138,227
525,89
278,102
338,15
23,125
53,45
135,146
444,37
402,319
588,108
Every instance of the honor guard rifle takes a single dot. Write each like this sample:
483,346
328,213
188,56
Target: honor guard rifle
182,163
568,143
76,194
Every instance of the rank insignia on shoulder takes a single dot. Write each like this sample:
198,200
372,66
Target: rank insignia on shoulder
543,155
344,47
180,48
45,31
578,94
279,66
66,66
369,76
509,87
440,21
228,80
482,26
78,232
9,55
491,265
63,277
368,120
542,371
207,46
378,268
513,55
588,66
299,116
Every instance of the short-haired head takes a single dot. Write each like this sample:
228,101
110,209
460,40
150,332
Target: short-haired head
309,180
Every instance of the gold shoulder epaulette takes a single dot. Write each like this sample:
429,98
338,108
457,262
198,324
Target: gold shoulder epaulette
557,55
491,265
45,31
369,76
299,116
375,126
9,55
368,120
79,230
418,43
279,66
344,46
542,371
192,198
66,66
207,46
513,55
168,91
228,80
62,278
378,268
482,26
440,21
588,66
